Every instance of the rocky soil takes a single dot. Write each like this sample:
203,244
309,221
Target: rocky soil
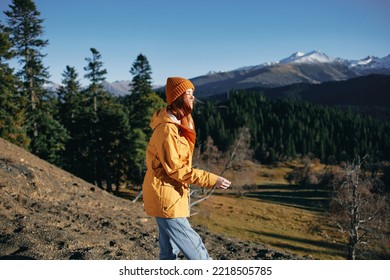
47,213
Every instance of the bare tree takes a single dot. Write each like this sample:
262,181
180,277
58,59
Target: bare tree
239,151
211,155
359,211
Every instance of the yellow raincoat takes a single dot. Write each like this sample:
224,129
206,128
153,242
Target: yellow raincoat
169,169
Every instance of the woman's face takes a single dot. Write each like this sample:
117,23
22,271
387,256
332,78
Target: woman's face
190,97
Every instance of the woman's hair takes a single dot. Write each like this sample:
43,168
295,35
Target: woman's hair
181,108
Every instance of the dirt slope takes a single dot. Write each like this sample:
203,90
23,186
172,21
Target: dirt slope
47,213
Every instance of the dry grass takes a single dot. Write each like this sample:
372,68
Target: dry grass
286,218
284,228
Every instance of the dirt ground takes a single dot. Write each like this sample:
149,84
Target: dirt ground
47,213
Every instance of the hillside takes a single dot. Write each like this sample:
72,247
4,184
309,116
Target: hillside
367,94
47,213
371,90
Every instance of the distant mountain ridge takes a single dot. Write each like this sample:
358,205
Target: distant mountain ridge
118,88
314,67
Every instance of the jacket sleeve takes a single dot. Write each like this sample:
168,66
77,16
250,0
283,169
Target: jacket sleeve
175,166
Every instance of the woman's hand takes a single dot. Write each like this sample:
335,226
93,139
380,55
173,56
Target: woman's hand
222,183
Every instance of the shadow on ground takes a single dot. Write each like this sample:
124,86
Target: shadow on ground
314,199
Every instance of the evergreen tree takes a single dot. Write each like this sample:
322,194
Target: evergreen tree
49,143
94,95
72,116
26,29
146,105
142,76
106,130
70,97
12,114
137,148
96,74
141,104
114,143
142,113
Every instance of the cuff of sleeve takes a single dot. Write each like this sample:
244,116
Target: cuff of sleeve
213,179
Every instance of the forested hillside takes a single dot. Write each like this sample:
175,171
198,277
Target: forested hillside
371,90
285,128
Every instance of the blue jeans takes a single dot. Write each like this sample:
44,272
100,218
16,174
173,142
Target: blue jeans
175,235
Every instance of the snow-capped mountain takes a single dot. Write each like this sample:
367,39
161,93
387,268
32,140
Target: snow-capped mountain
364,61
313,67
311,57
371,64
314,57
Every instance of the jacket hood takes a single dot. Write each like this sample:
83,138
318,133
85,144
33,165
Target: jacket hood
160,116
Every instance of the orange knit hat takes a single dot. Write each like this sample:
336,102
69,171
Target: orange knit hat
175,87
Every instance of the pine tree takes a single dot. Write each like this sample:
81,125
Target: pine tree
142,76
12,114
26,29
95,96
71,114
49,143
141,104
96,74
70,97
113,143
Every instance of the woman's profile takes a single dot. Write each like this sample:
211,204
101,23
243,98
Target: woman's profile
169,173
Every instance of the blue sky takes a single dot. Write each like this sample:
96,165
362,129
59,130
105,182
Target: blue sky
190,38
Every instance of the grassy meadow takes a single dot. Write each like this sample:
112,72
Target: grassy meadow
262,207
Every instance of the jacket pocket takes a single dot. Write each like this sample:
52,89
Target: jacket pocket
170,196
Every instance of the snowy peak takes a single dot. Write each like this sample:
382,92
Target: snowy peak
367,60
295,56
371,62
362,62
311,57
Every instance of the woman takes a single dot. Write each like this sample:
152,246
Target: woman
169,173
